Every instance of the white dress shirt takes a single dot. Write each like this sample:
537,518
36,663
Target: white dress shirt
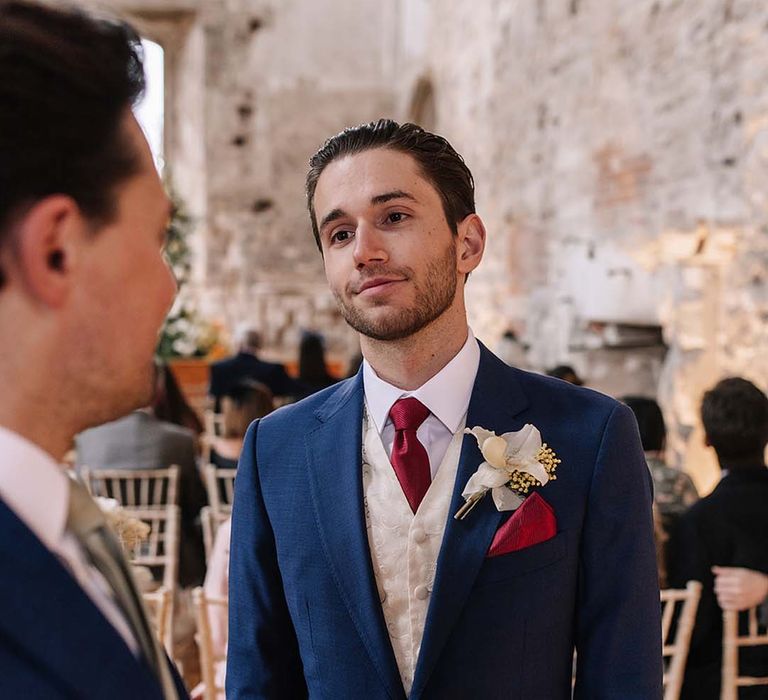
446,395
36,489
405,545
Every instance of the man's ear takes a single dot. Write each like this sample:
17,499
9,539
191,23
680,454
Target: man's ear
45,247
470,243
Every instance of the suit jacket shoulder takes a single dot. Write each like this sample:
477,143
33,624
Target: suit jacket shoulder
54,641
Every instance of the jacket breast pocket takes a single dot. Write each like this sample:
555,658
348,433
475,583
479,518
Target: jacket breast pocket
523,561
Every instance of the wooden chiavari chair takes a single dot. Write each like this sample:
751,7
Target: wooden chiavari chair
678,606
149,495
209,656
752,634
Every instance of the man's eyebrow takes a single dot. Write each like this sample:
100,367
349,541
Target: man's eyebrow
332,215
335,214
394,194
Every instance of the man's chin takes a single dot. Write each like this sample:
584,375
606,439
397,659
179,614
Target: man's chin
395,325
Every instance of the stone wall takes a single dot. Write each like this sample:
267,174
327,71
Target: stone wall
620,151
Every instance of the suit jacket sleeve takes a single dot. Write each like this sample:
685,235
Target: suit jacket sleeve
618,635
263,656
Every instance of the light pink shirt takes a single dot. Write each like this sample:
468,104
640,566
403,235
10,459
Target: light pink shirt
446,395
36,489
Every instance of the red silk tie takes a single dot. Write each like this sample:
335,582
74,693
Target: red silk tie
409,458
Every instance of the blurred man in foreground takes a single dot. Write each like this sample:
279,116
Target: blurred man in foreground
84,289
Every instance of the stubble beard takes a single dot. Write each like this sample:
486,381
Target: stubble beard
433,297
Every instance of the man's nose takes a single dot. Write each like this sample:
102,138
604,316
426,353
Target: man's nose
369,246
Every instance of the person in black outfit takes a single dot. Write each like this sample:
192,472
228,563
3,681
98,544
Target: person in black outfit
227,374
171,406
313,372
247,402
727,528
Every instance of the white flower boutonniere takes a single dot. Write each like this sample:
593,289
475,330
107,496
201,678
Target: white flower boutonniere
514,462
130,531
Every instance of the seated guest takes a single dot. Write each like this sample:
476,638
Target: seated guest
313,373
228,373
673,490
728,528
247,402
170,405
141,440
566,373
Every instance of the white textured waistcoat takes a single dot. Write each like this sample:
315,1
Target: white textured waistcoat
404,546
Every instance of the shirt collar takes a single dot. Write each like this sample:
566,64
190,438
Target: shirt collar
34,486
446,394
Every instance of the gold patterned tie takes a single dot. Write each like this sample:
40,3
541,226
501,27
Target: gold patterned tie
88,524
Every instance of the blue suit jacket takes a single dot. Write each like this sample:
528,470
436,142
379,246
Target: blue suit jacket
305,617
54,642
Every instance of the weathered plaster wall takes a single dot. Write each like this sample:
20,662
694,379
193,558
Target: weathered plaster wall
628,133
620,151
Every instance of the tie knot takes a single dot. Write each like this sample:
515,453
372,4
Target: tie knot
408,414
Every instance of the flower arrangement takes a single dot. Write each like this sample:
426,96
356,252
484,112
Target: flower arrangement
185,333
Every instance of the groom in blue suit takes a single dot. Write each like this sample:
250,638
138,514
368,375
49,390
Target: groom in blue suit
84,290
378,551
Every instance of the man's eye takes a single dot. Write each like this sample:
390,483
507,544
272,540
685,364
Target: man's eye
340,236
395,217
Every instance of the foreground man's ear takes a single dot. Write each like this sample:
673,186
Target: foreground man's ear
44,249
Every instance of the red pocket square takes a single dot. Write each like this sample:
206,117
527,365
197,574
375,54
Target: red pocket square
532,523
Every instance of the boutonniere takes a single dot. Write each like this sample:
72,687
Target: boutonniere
514,462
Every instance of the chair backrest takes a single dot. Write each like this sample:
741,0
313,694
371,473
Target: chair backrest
149,495
213,422
220,485
158,604
135,488
160,550
210,522
751,633
678,616
209,656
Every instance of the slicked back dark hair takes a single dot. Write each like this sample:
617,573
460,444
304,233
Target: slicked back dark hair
66,81
435,157
735,417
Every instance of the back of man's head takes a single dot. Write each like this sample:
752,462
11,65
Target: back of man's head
650,422
248,339
735,417
66,81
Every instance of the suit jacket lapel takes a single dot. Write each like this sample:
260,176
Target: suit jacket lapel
496,400
334,454
47,615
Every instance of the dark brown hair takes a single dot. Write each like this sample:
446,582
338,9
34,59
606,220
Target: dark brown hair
437,160
735,417
66,81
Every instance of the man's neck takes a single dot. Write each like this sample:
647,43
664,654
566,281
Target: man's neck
411,362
